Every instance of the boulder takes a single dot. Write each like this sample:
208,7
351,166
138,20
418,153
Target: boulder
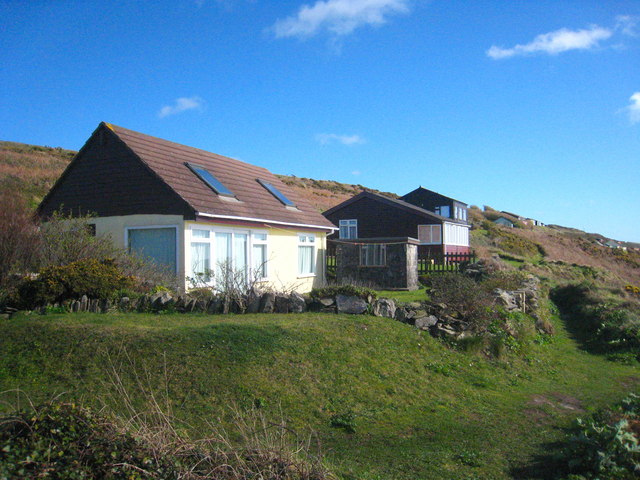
281,303
326,301
253,300
214,306
123,304
443,331
161,301
384,307
349,304
267,302
297,303
425,323
505,299
84,303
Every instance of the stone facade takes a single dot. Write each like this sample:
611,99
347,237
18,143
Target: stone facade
400,269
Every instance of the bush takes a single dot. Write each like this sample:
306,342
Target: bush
464,295
605,446
349,290
96,279
68,442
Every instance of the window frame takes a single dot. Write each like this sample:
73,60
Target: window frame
431,227
379,253
149,227
348,224
304,244
212,242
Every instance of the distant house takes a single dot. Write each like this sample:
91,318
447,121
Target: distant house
437,203
193,211
371,215
505,222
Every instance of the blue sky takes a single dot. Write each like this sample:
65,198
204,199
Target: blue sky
528,106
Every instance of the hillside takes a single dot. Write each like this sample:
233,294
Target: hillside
558,253
385,400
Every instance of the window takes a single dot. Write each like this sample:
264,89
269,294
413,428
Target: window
430,234
373,255
276,193
259,255
201,255
348,228
227,255
443,211
456,234
157,244
306,254
210,180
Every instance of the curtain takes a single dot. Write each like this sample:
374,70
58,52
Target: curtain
155,244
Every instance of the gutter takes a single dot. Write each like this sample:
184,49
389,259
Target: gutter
263,220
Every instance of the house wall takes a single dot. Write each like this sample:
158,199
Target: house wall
106,178
376,219
282,254
115,227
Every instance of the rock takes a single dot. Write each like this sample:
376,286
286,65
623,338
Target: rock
384,307
84,304
105,305
352,305
281,304
161,301
94,306
326,301
402,315
200,306
505,299
189,305
297,303
75,306
214,306
267,302
253,300
425,323
442,331
123,304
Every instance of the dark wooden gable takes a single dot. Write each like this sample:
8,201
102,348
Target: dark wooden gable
108,179
381,217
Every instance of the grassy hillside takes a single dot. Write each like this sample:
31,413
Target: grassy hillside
418,409
31,170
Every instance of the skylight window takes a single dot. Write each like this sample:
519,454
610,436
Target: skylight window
277,193
206,176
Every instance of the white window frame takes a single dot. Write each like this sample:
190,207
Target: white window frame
148,227
348,224
376,258
431,227
306,240
455,234
212,249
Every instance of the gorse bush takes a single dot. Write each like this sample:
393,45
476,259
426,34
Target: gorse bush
94,278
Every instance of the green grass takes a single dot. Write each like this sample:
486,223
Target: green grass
420,409
404,296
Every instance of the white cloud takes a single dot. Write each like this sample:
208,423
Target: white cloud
181,104
633,109
356,172
339,17
326,138
556,42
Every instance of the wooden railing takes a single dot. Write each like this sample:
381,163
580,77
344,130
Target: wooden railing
448,262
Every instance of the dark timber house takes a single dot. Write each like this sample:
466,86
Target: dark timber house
371,215
193,211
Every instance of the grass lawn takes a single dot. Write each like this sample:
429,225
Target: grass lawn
404,296
420,410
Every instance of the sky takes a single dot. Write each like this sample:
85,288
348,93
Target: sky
531,106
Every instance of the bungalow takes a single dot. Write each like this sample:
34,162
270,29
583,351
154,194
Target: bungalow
505,222
371,215
193,211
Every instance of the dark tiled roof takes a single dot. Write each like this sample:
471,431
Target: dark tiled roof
168,160
395,202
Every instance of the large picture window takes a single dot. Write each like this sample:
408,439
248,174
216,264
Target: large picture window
373,255
348,228
157,244
430,234
227,255
306,254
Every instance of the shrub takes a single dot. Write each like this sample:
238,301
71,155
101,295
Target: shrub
68,442
19,238
605,446
96,279
349,290
463,295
